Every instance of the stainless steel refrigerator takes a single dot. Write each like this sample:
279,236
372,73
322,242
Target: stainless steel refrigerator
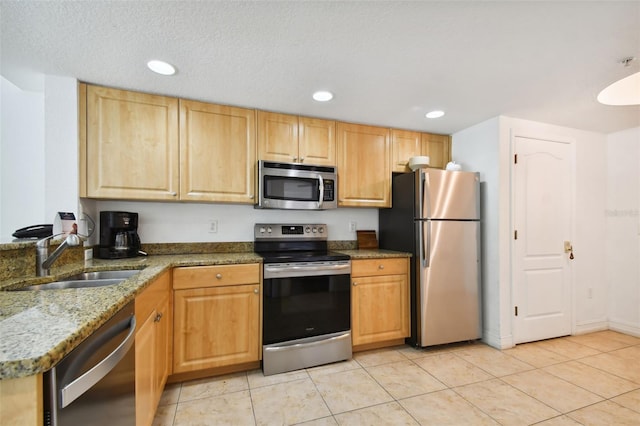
435,215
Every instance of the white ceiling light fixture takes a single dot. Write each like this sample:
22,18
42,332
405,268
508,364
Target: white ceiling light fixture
434,114
161,67
322,96
625,91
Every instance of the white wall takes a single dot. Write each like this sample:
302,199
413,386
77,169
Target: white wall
623,230
486,147
39,153
189,222
61,145
22,159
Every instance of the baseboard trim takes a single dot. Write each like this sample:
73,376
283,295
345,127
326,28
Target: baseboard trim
625,327
591,327
496,341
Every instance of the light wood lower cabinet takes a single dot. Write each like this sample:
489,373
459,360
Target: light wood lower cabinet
379,300
152,347
216,316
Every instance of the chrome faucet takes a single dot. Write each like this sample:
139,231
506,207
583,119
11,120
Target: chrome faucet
44,260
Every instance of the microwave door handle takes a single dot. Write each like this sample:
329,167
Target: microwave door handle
321,191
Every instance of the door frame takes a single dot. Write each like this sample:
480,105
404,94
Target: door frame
548,137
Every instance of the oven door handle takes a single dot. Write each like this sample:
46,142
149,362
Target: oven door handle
327,268
321,340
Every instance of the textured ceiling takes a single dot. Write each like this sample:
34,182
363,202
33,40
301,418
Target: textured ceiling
388,62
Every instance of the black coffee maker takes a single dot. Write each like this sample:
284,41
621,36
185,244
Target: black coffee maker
118,235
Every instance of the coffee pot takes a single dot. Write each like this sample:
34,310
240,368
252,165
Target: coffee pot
118,235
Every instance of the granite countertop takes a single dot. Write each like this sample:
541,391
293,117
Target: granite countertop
373,253
38,328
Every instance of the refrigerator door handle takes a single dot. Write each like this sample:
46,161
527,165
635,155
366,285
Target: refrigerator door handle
425,201
426,243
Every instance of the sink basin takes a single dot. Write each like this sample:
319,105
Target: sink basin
85,280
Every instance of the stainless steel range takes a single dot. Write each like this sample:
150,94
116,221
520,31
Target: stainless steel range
306,298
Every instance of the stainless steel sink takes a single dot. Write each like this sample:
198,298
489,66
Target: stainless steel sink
102,275
85,280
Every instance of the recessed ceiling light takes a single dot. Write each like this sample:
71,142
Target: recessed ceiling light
322,96
161,67
434,114
623,92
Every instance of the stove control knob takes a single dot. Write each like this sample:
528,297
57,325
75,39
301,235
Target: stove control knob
307,229
262,230
321,230
269,230
315,230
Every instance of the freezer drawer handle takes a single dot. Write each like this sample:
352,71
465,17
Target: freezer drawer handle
79,386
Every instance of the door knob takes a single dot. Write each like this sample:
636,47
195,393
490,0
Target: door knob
568,248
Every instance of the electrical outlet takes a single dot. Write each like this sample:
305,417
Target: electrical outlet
353,226
88,254
213,226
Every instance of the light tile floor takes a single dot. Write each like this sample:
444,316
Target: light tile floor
591,379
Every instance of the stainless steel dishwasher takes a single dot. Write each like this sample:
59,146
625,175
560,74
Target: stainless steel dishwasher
95,383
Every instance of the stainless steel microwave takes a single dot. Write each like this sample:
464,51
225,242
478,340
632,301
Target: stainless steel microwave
296,186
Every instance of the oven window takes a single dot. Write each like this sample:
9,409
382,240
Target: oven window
294,189
305,306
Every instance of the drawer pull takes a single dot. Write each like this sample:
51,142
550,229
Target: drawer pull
380,266
218,276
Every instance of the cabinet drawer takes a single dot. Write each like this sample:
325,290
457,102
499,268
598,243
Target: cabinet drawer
386,266
152,296
215,276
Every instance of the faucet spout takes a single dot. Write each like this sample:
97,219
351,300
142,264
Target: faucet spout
44,260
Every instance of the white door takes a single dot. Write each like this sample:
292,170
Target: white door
542,208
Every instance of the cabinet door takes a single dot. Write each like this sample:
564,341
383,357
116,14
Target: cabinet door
163,346
217,153
364,175
317,141
404,145
146,390
277,137
215,327
380,308
131,145
438,148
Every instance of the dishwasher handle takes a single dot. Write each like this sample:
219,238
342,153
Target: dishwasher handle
80,385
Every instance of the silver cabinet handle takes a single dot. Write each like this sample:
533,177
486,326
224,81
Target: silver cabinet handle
218,276
80,385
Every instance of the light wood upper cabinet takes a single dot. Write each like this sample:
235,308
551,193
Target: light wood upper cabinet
379,300
404,145
216,316
364,158
131,145
293,139
217,153
317,141
438,148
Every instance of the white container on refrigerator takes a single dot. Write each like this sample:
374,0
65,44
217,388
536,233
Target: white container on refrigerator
435,215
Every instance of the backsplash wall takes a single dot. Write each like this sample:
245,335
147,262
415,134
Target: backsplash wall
190,222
